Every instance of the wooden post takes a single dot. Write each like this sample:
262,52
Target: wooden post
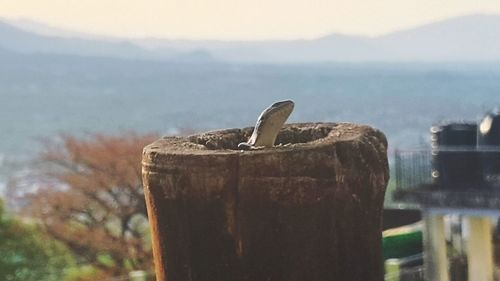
306,211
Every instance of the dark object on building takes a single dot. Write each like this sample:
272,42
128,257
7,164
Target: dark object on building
455,161
488,141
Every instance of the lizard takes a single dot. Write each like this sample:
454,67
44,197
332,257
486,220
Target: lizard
268,125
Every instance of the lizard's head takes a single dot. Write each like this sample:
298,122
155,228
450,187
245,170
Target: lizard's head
281,108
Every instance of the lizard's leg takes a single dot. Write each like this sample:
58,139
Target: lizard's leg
244,146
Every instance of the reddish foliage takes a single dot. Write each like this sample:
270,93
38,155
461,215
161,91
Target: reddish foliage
89,195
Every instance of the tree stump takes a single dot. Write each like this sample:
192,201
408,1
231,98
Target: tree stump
310,210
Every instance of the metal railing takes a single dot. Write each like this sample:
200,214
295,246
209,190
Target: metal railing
449,176
413,168
449,167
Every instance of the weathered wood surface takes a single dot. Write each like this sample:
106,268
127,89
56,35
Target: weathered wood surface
307,211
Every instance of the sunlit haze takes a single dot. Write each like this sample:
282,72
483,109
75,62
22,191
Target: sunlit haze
239,19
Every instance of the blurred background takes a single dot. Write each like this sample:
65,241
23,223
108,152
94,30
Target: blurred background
84,85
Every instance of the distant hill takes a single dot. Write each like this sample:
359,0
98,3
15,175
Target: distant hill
467,38
15,39
52,31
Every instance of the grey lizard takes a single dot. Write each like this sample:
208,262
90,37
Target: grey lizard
268,125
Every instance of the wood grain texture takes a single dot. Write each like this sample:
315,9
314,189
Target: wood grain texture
306,211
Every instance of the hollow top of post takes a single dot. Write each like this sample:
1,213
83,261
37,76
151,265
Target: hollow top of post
295,136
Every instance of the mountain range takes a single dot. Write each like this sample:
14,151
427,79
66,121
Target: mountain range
473,38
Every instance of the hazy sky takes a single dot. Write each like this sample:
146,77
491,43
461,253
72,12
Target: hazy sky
240,19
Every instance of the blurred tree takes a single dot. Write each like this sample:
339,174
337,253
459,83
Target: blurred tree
27,254
87,193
